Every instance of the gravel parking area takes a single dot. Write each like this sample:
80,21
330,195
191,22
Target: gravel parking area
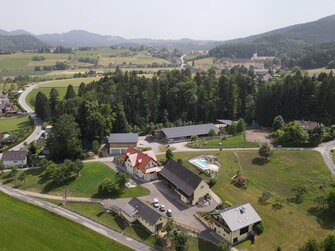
258,135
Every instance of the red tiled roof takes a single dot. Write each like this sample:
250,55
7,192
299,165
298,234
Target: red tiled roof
241,179
141,159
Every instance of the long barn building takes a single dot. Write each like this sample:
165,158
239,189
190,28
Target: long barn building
183,133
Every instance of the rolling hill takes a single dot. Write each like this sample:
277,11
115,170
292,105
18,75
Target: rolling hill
289,40
20,42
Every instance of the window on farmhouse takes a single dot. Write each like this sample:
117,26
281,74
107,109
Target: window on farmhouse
244,230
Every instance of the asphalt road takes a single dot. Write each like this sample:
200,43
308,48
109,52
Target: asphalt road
109,233
38,123
325,150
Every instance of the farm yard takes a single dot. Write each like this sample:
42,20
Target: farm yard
86,185
20,220
284,171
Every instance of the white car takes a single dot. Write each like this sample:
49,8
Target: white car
169,213
162,208
155,203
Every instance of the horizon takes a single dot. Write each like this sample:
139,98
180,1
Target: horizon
165,21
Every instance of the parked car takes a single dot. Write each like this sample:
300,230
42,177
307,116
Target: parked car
169,213
162,208
155,203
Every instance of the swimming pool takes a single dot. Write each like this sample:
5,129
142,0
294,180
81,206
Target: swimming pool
201,162
204,165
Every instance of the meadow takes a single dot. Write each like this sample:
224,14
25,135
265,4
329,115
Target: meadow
287,224
14,123
86,185
16,64
205,63
60,85
28,227
237,141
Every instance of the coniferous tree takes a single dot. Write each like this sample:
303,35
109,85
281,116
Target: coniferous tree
70,93
42,108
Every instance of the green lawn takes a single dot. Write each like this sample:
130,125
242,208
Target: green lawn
231,142
26,227
290,226
14,123
86,185
60,85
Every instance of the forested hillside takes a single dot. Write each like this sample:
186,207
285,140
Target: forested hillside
20,42
309,45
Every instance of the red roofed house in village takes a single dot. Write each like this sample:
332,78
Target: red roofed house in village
144,165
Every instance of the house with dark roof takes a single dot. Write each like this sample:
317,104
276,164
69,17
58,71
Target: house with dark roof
143,165
183,133
137,209
308,126
235,224
14,158
119,142
189,186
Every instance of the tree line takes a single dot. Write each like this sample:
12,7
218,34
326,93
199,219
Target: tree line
125,101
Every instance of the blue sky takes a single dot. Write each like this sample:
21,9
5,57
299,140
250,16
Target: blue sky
197,19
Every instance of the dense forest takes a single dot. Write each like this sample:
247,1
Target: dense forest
125,101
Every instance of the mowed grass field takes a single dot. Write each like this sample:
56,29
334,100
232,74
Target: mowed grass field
231,142
60,85
12,65
86,185
293,224
22,64
26,227
14,123
140,59
204,62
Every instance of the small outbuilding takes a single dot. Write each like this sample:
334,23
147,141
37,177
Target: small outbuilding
119,142
137,209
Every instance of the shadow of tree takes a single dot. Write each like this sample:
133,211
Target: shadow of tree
325,218
259,161
100,213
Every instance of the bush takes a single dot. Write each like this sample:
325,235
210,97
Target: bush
211,182
240,127
211,133
107,187
95,146
258,228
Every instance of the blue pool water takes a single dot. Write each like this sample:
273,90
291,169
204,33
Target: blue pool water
201,162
